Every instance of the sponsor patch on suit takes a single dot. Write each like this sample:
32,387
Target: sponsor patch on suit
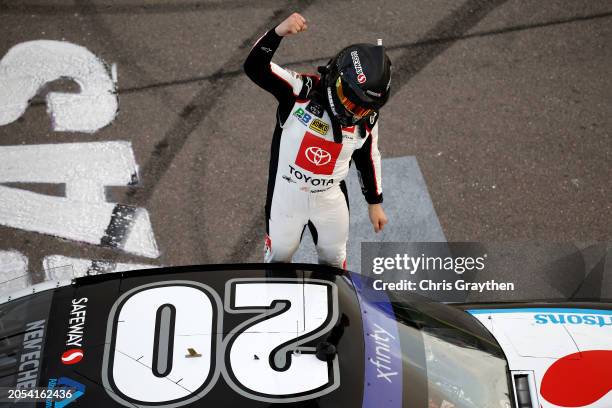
319,126
315,109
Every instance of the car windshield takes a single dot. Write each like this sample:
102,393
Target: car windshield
452,359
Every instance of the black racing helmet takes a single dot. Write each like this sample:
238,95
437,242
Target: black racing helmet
358,82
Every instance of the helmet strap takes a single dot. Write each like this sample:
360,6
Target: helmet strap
362,128
336,125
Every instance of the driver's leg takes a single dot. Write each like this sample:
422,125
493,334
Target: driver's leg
286,220
329,215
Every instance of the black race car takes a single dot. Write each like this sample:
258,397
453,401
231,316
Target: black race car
246,336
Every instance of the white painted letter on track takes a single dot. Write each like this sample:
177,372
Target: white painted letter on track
83,215
30,65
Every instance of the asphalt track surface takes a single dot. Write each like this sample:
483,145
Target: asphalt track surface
504,104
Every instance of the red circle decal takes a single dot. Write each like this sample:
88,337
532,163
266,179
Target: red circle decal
579,379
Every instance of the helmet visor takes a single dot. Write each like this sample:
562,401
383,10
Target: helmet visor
354,109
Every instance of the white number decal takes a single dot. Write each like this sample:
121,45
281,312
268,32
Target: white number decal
265,356
30,65
151,328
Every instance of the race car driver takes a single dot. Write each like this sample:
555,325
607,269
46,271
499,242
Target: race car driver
323,123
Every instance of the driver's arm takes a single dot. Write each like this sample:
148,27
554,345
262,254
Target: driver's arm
281,83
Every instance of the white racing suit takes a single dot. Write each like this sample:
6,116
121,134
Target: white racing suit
310,158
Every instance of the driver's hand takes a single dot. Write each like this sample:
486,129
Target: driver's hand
293,24
377,217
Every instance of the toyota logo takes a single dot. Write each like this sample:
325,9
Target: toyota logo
318,156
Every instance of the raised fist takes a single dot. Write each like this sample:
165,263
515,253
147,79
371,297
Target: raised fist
293,24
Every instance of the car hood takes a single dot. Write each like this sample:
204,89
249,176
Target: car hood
566,351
